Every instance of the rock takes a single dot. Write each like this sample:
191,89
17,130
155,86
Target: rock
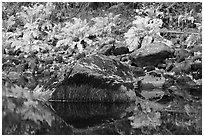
185,82
197,74
161,66
151,55
80,55
49,60
59,59
138,71
155,93
106,50
168,82
97,78
149,68
181,54
124,58
196,66
184,66
150,82
196,91
120,51
174,90
169,64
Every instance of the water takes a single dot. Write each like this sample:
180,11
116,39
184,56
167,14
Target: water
107,119
21,114
84,115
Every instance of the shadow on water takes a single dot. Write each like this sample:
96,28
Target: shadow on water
83,115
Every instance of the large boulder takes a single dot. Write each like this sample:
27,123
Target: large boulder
150,55
97,78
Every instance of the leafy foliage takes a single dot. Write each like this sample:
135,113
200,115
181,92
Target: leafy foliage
41,42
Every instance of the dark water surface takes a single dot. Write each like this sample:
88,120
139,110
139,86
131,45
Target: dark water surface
83,115
21,114
126,119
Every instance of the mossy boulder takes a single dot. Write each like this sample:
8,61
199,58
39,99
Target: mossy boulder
97,78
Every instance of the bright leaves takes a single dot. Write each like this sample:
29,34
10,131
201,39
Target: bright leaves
143,28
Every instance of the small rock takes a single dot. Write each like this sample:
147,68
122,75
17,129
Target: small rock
138,71
151,55
168,82
120,51
107,50
59,58
185,81
197,74
181,54
46,73
150,82
22,67
196,66
184,66
80,55
49,60
76,39
13,75
176,91
153,94
149,68
196,91
161,66
92,37
124,58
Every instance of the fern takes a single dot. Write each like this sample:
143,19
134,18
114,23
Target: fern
144,30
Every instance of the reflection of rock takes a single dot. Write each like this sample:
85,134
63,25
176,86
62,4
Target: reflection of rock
119,127
151,55
82,115
151,81
97,78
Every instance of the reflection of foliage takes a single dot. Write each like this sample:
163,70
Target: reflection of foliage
20,101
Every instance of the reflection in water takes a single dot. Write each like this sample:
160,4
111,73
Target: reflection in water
83,115
22,116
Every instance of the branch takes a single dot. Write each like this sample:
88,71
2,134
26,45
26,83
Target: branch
178,32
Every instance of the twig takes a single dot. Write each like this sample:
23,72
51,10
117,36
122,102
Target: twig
178,32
